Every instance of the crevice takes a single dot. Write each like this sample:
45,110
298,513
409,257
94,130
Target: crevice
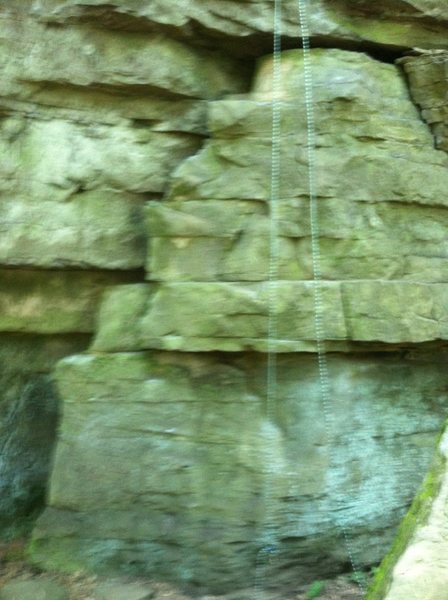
432,127
247,48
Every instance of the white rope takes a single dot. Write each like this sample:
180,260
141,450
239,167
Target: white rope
269,535
324,379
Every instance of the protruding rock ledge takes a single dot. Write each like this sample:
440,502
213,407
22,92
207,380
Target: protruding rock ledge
234,316
54,302
230,24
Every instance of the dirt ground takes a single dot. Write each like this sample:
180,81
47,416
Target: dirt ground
81,586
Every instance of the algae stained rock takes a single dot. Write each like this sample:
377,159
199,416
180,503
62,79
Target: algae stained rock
383,221
428,82
416,567
176,456
165,420
229,23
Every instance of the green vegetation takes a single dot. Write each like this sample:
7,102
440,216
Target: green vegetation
315,590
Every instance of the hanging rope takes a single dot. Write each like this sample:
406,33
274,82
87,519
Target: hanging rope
324,378
269,535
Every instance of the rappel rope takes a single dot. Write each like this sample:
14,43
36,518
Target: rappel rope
324,378
269,538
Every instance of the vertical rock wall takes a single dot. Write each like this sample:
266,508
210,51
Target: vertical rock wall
91,126
135,185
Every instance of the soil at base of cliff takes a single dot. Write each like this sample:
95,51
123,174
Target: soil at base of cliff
81,586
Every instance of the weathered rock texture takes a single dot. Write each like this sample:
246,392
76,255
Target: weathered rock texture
380,185
416,568
85,140
176,453
28,418
427,76
135,188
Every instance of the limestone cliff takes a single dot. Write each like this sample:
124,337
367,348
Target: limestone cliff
136,221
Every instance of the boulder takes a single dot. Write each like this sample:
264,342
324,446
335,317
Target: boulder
428,84
167,465
416,567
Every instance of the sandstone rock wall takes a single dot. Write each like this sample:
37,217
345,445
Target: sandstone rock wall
91,126
136,208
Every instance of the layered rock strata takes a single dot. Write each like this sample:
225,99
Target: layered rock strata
136,167
184,469
415,568
91,126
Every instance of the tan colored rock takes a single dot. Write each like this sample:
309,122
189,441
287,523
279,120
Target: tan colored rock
52,302
428,83
417,567
230,23
168,459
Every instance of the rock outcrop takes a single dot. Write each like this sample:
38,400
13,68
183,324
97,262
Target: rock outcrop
427,74
85,142
416,567
136,216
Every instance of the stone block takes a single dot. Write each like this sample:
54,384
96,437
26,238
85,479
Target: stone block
53,302
209,316
416,566
176,456
392,24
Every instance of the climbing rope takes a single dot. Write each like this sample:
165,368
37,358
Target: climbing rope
268,541
324,378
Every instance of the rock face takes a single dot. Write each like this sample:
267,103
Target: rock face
28,418
416,568
389,23
181,455
427,76
85,143
143,245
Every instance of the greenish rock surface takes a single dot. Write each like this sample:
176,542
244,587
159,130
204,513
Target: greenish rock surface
81,190
132,62
36,589
182,471
29,410
230,23
137,135
235,316
382,223
428,83
120,590
53,302
416,567
381,186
